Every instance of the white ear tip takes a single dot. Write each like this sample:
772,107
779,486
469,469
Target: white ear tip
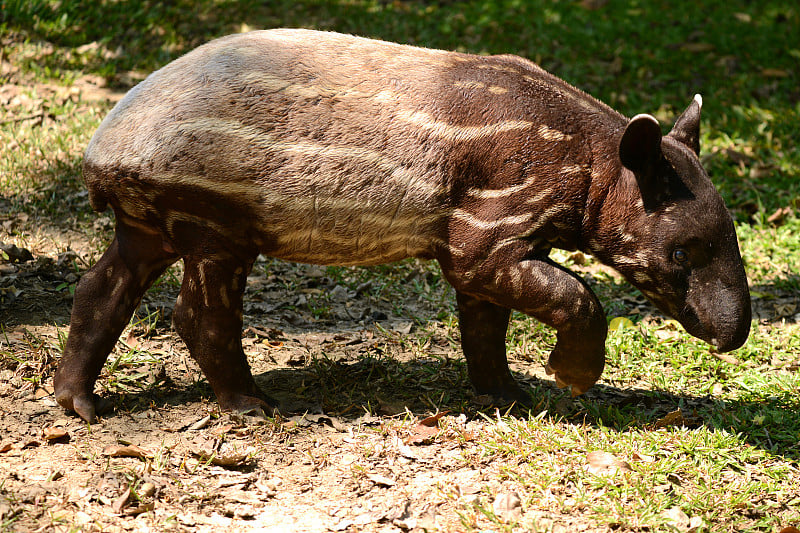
645,116
699,100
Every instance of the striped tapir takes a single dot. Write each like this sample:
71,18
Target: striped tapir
332,149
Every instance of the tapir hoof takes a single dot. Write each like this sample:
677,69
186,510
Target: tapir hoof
507,393
580,382
86,406
260,405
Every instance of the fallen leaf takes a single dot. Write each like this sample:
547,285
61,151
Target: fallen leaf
381,480
790,529
604,463
116,450
121,502
671,419
200,424
230,460
697,47
619,323
774,73
131,341
54,434
433,421
762,170
421,434
593,4
666,335
139,509
725,357
779,216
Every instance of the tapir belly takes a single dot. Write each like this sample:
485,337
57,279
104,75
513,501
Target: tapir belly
305,203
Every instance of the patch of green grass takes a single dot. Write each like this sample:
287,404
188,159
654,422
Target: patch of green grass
714,475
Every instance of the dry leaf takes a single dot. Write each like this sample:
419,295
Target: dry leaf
666,335
381,480
779,216
675,418
421,434
139,509
724,357
593,4
121,502
54,434
200,424
790,529
131,341
231,460
603,463
425,430
116,450
774,73
433,421
697,47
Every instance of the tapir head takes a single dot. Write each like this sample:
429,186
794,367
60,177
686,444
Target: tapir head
676,241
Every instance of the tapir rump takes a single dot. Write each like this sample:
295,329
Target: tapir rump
337,150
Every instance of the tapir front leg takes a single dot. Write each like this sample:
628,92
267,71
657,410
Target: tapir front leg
105,299
483,328
553,295
208,317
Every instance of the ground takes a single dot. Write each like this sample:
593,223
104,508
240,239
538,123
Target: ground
356,447
348,454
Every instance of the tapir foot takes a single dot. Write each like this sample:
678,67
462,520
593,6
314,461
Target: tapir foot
506,392
255,404
86,405
578,379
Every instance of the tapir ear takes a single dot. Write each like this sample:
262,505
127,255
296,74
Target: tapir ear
640,146
640,152
687,127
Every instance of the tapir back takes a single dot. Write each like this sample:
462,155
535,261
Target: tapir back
330,148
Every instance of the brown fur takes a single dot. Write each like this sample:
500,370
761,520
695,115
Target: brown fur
332,149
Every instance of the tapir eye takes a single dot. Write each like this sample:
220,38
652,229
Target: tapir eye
680,256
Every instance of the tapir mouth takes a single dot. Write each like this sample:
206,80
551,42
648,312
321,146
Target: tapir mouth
725,328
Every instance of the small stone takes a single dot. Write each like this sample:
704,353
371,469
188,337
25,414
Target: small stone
508,505
147,489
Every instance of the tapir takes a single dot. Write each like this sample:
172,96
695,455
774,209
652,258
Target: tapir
331,149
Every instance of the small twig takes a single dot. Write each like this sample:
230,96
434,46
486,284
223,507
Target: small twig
39,115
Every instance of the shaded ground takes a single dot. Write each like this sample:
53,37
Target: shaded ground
357,460
355,371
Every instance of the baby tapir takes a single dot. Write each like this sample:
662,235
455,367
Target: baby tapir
331,149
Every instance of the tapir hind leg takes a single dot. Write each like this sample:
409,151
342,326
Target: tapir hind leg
105,299
208,317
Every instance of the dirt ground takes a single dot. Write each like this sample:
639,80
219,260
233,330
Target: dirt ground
378,431
348,453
